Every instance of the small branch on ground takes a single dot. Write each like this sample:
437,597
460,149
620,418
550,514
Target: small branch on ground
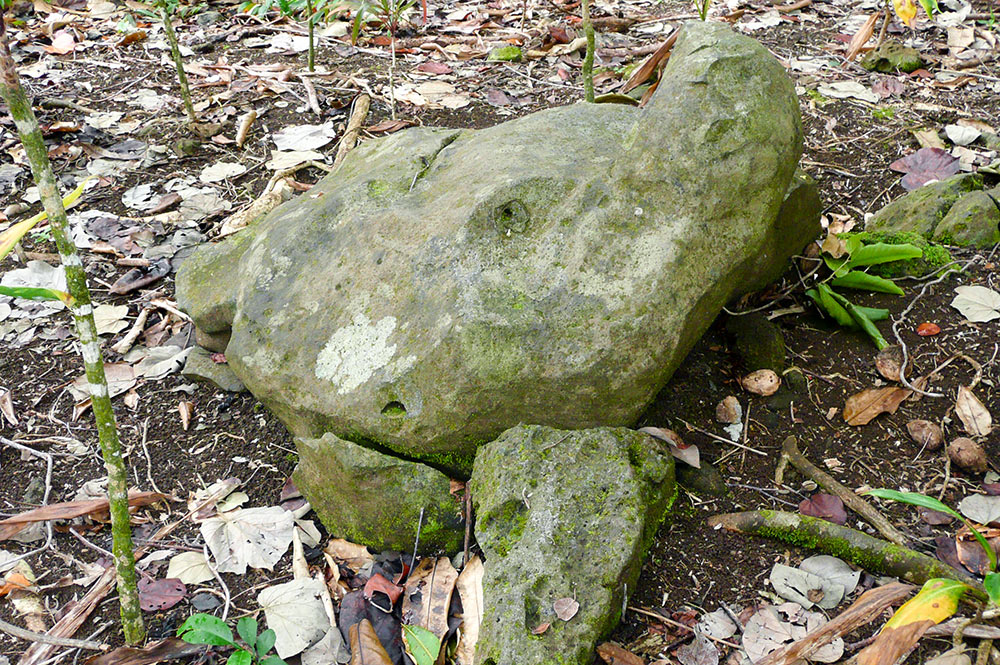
358,115
873,554
790,451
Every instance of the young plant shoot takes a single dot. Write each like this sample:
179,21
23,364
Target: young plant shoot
78,301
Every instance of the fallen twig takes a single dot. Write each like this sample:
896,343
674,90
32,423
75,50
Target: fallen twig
30,636
873,554
790,451
361,105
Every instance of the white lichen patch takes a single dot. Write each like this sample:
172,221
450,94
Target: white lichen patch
355,352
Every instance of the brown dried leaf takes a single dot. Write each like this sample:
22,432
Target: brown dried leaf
972,413
366,649
7,408
651,64
862,408
612,654
862,36
172,648
892,643
470,590
70,509
350,554
428,595
185,409
889,361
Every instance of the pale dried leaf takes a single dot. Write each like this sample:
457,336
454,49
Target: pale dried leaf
974,416
980,508
470,590
190,568
295,612
255,537
566,608
977,303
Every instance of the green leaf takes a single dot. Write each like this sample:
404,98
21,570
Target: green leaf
33,293
206,629
264,642
873,313
930,6
823,297
240,657
880,252
861,320
247,629
856,279
916,499
992,584
422,644
272,660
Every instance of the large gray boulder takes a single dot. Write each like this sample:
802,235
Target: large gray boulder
445,285
563,515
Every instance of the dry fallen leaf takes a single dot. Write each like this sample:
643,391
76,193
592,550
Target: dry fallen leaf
428,595
255,537
926,433
295,612
470,590
185,409
977,303
566,608
862,408
972,413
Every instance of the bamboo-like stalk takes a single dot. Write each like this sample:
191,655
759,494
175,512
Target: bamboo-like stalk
588,58
175,54
311,57
83,316
392,67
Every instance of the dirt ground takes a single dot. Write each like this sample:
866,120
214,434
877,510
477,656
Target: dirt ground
691,568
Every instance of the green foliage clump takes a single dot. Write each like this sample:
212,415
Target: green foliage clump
934,255
207,629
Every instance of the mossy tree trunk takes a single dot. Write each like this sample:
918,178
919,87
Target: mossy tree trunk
311,57
83,316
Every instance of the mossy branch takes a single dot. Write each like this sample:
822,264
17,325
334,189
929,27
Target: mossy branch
873,554
83,315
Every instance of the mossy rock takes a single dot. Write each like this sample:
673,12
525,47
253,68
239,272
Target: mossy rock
563,514
199,366
891,57
921,210
758,342
934,255
974,221
375,499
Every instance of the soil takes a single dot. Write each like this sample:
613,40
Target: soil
849,145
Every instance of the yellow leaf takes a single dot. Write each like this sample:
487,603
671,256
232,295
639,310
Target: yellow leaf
13,235
906,10
936,601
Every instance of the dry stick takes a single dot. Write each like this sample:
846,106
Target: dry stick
361,105
873,554
861,612
83,316
678,624
311,94
588,58
125,343
31,636
790,450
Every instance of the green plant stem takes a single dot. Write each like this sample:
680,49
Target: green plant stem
175,53
311,57
83,316
392,67
588,58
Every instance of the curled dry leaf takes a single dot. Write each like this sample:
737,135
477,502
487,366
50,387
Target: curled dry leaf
967,455
763,382
862,408
540,628
185,409
687,453
972,413
566,608
924,166
926,433
889,361
729,411
612,654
